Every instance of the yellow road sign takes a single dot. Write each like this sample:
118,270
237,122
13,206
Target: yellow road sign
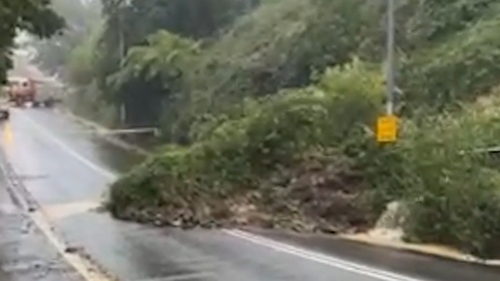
387,128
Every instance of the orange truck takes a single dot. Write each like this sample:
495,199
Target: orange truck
21,90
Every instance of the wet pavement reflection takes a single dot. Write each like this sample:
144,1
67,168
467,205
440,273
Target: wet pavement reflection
25,253
85,142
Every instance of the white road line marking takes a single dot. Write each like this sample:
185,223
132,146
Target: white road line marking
182,277
108,174
255,239
86,270
319,257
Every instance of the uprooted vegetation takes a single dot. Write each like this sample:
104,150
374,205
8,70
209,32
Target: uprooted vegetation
306,159
275,116
278,150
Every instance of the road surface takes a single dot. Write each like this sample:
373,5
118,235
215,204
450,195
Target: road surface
66,171
25,253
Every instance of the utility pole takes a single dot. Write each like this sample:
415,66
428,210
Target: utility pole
387,126
390,57
121,30
122,50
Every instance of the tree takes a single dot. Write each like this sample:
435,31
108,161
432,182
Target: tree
159,67
81,18
129,24
35,17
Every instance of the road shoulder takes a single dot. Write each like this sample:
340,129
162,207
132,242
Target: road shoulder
418,264
29,247
25,253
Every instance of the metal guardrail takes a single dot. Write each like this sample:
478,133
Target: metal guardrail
495,149
489,150
110,132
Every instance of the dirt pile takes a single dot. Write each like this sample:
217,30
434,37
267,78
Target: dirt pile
319,194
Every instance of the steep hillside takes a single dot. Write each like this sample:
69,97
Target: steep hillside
459,67
280,45
276,116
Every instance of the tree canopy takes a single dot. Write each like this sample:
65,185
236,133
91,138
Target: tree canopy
35,17
80,17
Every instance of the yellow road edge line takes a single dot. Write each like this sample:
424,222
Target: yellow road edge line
423,249
83,266
88,270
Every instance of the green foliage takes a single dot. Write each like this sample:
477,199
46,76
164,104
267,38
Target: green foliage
453,193
82,60
159,66
239,154
435,20
36,17
450,192
279,45
254,89
81,17
166,55
89,99
126,27
460,69
279,128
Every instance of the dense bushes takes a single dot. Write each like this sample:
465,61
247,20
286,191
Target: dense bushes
451,193
459,69
242,154
280,45
266,129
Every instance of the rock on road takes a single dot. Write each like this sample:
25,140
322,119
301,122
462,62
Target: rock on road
66,171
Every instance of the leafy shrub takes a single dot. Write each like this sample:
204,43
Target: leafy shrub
239,153
461,68
452,194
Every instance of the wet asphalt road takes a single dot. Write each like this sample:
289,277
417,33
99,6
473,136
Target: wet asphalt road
67,171
25,253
